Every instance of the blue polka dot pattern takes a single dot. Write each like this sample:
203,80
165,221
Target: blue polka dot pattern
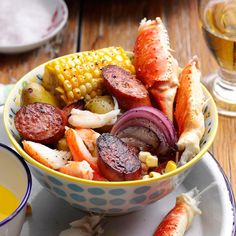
117,201
79,206
96,191
115,210
55,181
117,192
97,210
134,209
98,201
137,200
156,194
59,192
75,188
77,197
142,189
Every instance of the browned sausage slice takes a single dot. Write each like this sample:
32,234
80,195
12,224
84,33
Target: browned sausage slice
40,122
129,91
117,161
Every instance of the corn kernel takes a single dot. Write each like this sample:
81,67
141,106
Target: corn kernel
170,166
75,82
88,87
154,174
151,161
67,85
82,90
58,68
143,155
96,73
60,90
70,95
88,76
119,58
77,93
61,79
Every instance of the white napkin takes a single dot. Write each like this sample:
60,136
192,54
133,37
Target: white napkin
4,91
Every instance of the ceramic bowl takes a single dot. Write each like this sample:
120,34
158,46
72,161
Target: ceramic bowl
104,197
15,176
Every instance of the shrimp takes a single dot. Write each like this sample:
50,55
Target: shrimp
51,158
189,111
80,152
89,137
179,219
78,169
87,119
78,149
154,64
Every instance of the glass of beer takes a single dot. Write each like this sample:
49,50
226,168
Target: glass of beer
218,21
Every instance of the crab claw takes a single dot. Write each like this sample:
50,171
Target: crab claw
155,66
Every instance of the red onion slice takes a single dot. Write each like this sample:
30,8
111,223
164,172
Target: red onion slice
148,119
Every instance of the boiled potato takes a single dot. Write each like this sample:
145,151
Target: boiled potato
62,145
100,104
35,92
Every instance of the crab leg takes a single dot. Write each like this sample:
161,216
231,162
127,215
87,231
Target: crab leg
179,219
155,66
188,113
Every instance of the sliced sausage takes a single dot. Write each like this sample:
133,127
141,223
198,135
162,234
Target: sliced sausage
40,122
117,161
129,91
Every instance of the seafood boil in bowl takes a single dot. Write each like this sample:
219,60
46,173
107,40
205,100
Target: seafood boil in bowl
109,130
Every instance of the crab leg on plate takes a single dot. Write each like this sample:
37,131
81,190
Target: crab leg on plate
155,66
189,111
179,219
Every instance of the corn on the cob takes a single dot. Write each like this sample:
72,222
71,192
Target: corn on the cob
78,76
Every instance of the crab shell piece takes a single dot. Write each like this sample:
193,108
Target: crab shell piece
188,113
155,66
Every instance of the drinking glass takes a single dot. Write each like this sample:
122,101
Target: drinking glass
218,22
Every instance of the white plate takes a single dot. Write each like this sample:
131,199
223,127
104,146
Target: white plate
57,15
51,215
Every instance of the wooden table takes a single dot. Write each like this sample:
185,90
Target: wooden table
96,24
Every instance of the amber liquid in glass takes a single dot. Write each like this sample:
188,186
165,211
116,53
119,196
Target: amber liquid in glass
219,27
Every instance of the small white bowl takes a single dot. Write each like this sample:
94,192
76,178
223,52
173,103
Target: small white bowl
58,13
15,176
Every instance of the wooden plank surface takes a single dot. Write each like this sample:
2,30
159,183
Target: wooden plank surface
12,67
106,23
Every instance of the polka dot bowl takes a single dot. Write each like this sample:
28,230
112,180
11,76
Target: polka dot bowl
104,197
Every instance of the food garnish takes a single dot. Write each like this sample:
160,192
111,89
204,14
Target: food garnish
154,64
